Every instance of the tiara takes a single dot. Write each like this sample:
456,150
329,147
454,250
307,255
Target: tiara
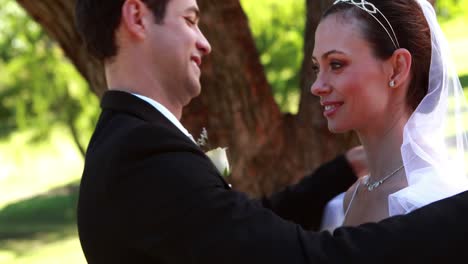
372,10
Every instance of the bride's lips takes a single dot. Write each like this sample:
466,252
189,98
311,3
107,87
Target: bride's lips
331,107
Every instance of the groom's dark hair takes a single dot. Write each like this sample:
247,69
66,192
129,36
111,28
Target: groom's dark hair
97,21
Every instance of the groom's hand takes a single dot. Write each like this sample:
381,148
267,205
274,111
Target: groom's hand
358,159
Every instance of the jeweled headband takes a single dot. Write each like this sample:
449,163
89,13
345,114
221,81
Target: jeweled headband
372,10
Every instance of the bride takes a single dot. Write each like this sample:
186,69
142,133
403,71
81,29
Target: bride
383,71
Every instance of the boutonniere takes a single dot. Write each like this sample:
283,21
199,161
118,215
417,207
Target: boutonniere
219,158
218,155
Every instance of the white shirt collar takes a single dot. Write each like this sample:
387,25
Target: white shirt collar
161,108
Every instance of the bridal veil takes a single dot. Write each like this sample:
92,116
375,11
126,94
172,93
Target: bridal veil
435,145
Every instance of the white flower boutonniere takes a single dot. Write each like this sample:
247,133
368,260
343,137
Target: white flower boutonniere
219,158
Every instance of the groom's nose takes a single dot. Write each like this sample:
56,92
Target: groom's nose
203,44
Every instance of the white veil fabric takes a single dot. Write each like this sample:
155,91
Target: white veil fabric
434,138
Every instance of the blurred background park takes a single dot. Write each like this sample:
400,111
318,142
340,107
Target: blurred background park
47,114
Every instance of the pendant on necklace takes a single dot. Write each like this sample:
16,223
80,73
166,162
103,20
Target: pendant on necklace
372,186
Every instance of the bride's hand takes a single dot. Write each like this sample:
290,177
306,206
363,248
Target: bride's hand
358,159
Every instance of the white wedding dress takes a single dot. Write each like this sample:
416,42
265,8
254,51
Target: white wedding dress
333,215
426,186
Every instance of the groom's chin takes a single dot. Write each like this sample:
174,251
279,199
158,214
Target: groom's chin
196,88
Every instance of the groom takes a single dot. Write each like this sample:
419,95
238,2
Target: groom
149,195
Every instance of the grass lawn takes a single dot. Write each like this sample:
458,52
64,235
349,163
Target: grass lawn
38,193
66,250
30,168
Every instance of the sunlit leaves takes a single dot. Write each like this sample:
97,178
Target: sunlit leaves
278,28
39,87
448,9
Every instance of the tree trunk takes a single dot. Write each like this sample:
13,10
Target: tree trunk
267,149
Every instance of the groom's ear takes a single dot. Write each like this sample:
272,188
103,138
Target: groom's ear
134,19
401,67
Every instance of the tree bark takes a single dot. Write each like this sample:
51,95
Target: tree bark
267,149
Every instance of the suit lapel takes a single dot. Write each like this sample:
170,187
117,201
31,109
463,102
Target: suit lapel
125,102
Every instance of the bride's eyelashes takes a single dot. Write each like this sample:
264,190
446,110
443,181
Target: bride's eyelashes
316,68
337,65
334,65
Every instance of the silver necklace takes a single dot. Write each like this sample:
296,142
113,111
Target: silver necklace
371,186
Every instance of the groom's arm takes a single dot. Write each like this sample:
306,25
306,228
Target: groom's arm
436,233
304,202
198,221
173,208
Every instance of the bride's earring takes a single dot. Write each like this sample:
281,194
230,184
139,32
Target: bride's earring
391,83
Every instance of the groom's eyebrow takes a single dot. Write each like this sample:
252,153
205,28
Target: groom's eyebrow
195,10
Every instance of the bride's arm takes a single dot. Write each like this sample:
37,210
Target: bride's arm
304,202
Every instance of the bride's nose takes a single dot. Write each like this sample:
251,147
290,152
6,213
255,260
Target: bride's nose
320,88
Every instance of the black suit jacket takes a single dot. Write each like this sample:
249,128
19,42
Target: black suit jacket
150,195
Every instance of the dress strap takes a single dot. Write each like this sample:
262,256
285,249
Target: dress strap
352,198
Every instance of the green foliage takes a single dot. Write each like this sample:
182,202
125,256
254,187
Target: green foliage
455,31
464,82
448,9
278,29
38,85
